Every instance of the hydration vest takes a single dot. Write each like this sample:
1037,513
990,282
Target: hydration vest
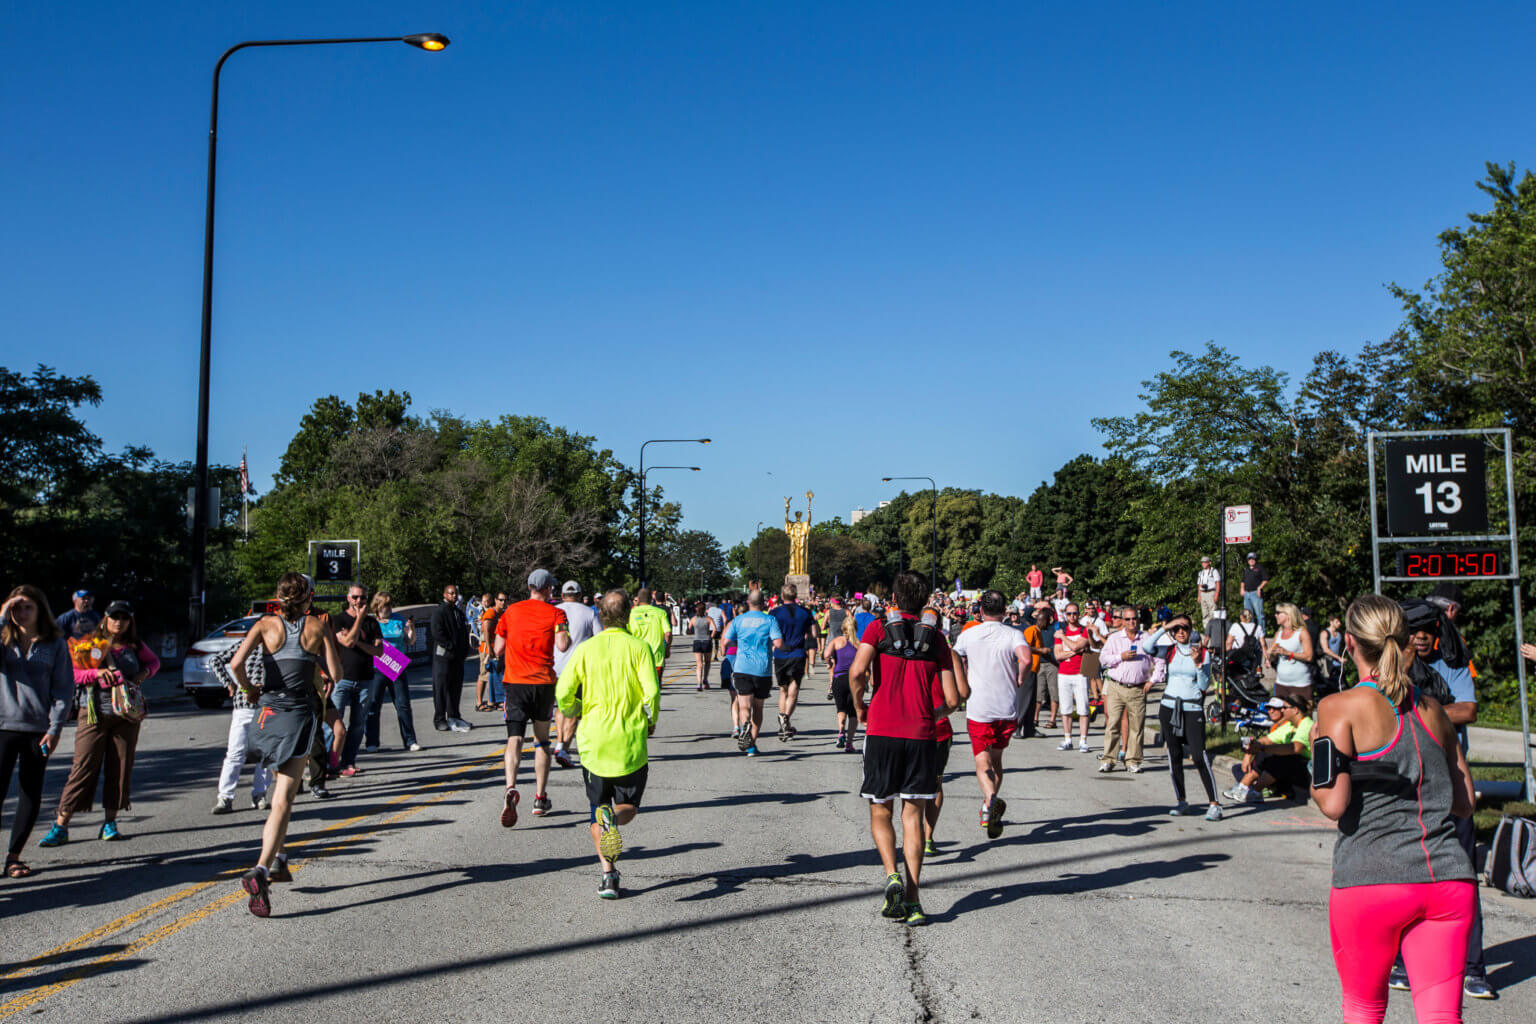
910,640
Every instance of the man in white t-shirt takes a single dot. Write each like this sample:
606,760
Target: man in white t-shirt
584,625
992,660
1206,582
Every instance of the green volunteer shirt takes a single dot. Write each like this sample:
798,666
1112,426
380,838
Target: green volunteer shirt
610,681
652,625
1285,732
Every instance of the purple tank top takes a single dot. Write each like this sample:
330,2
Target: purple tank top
842,658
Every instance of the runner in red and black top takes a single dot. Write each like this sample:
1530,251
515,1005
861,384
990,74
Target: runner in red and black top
906,662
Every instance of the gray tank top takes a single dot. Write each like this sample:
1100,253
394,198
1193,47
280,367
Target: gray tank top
290,670
1398,826
701,624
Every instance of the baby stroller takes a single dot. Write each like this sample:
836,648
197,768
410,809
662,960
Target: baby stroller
1245,689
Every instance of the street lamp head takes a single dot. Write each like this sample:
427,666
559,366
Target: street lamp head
704,440
885,479
694,468
432,41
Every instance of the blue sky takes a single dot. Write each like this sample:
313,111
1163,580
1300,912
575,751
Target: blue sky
844,240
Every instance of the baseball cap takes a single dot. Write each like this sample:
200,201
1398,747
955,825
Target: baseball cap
82,593
540,579
1275,702
1252,555
571,587
1447,593
118,608
1205,558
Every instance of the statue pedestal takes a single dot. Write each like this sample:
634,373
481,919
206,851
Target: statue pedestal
802,585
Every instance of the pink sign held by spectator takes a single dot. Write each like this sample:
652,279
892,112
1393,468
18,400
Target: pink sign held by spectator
392,661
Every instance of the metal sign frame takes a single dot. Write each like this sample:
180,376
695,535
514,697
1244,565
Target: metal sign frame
1504,435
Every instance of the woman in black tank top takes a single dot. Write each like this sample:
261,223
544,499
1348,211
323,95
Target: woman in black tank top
291,647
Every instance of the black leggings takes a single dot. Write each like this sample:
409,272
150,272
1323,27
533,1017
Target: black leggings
21,747
1192,744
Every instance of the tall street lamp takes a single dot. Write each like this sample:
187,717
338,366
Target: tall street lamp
429,41
933,570
657,440
755,538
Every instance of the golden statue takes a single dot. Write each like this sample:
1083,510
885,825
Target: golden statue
799,538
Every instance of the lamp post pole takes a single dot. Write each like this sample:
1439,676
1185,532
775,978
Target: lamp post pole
755,538
933,569
657,440
430,41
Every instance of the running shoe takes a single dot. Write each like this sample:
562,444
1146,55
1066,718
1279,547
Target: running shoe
698,688
109,832
894,908
1476,986
414,746
1179,810
1213,813
752,750
1065,744
783,728
995,810
349,771
509,808
842,738
1105,767
372,748
459,725
254,882
321,793
608,888
929,850
744,738
280,872
223,805
1083,748
541,805
609,843
58,835
563,758
915,916
849,748
1237,794
258,801
1398,978
1137,768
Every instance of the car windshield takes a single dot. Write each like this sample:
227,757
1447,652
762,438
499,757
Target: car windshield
239,627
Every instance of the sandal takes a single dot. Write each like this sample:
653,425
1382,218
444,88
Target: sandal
482,706
17,869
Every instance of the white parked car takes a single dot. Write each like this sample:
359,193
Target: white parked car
200,684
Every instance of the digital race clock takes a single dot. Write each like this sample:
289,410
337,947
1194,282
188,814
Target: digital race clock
1463,563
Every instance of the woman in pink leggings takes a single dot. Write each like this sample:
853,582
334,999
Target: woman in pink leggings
1400,878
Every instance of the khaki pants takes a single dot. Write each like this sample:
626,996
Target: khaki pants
103,749
1133,700
1207,605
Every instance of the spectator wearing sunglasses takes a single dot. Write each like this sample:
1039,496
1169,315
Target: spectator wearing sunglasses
1282,758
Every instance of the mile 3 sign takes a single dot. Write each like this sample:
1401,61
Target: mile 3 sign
1435,486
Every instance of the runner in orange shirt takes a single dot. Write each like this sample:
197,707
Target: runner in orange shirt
527,636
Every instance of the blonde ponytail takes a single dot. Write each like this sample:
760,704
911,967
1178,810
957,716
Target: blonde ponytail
1381,635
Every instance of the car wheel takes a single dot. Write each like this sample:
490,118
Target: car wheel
209,700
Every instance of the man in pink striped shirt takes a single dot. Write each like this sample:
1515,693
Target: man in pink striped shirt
1128,677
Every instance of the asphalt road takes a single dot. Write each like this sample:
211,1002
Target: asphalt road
752,893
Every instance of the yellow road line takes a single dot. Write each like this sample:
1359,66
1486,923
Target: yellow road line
129,919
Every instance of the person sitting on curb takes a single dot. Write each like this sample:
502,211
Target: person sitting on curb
1283,758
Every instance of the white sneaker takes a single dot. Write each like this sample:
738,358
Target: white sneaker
1066,744
459,725
1136,769
414,746
1084,749
1105,767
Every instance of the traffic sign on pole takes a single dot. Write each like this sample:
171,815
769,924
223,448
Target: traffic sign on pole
1237,524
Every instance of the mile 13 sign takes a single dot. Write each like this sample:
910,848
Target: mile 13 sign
1435,486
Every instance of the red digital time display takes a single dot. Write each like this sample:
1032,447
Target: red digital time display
1429,563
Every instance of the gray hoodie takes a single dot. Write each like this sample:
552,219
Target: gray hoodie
36,691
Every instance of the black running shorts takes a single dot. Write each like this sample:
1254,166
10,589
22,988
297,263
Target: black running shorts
757,687
626,789
528,703
896,767
703,647
789,671
943,760
842,696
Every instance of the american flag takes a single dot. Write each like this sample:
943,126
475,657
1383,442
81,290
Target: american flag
245,475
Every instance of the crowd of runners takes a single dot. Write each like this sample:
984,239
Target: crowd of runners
583,674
